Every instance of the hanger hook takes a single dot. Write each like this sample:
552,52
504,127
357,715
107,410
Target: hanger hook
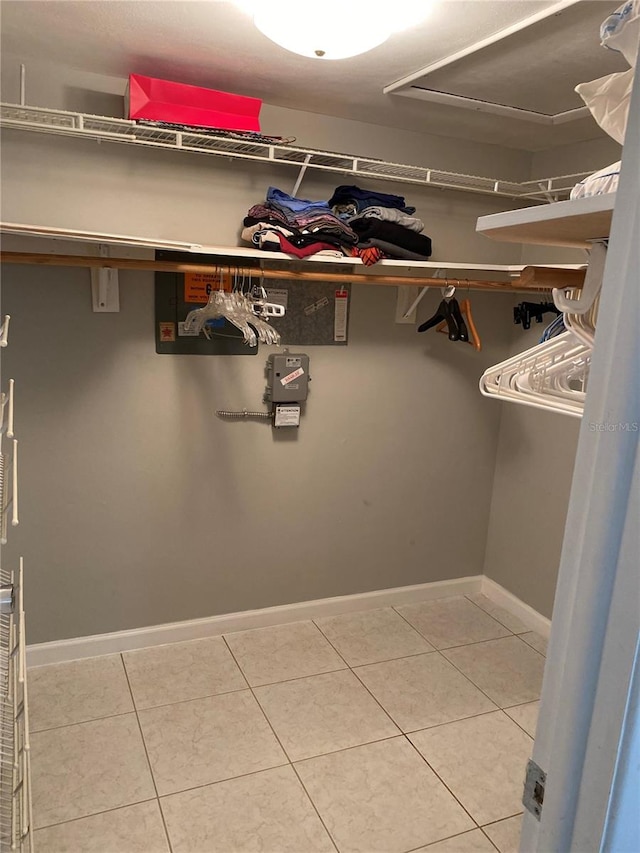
448,290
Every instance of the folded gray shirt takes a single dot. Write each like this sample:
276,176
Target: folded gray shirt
390,214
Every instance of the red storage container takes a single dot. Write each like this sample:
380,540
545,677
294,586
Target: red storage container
162,100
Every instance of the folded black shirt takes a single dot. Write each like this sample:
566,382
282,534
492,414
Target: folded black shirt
368,198
368,228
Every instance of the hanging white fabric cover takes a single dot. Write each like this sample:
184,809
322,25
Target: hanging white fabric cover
608,97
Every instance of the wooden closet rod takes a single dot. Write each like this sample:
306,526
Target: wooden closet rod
531,278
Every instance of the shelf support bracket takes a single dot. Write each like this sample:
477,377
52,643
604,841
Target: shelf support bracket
405,312
303,169
105,288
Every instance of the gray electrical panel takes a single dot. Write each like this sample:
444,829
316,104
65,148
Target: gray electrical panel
287,377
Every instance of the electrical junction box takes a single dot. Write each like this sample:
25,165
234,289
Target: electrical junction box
287,378
287,386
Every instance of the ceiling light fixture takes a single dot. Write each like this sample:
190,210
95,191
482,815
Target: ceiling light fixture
333,29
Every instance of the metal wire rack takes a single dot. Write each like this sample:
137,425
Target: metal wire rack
103,128
16,818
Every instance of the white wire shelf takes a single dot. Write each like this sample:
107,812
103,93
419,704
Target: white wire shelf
103,128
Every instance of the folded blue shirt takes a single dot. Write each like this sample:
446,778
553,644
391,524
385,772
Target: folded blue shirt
297,205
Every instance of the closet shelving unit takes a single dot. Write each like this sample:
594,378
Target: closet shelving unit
107,129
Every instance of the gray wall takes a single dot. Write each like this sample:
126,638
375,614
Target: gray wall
530,496
140,507
591,155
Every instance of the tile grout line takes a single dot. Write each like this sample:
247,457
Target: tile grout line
392,608
448,838
490,840
493,823
95,814
476,825
375,698
450,722
504,711
220,781
291,764
470,680
294,678
468,677
404,735
146,752
537,651
460,645
82,722
495,618
501,819
531,738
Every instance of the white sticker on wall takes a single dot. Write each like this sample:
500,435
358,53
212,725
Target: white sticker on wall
340,317
287,416
187,333
291,376
316,306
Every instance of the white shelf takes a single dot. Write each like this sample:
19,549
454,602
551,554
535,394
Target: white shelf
565,223
107,129
150,244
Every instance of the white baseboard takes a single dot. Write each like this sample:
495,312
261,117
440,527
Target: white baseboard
499,595
61,651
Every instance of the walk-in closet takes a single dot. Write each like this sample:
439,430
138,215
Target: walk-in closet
320,402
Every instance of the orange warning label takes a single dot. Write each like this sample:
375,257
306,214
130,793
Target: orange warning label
198,285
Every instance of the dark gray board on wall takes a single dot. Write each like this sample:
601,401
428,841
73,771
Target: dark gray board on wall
309,319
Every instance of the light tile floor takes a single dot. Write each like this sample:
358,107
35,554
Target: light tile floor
385,731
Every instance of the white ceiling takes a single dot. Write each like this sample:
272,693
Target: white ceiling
213,43
536,68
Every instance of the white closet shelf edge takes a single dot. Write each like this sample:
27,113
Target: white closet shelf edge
575,223
151,244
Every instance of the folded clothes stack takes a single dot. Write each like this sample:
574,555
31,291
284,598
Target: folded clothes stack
383,223
354,222
297,226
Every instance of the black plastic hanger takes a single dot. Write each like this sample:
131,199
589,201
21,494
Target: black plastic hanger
463,332
443,313
526,311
